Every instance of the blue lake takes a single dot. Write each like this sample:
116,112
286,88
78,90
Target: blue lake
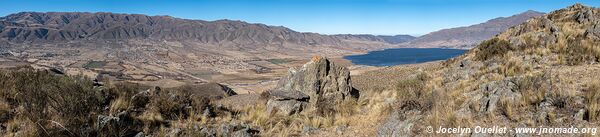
391,57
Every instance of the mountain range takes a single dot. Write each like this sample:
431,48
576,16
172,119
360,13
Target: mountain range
83,27
467,37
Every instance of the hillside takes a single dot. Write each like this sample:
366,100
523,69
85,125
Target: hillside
467,37
541,73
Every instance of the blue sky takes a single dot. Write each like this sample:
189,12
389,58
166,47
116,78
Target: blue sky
384,17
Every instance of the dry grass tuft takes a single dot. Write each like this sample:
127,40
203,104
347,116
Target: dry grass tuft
592,99
533,89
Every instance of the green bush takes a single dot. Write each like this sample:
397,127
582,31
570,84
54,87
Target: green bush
491,48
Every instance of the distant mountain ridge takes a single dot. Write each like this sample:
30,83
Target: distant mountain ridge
467,37
59,27
53,26
392,39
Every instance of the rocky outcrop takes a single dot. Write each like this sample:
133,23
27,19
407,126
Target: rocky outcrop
496,90
325,83
286,102
400,124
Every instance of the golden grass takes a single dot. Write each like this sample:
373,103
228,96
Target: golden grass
507,108
119,105
592,98
533,89
513,66
375,106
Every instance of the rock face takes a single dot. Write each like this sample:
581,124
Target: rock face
286,102
496,90
325,84
396,126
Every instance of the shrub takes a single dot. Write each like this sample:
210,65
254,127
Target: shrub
411,88
533,88
412,92
119,96
58,105
491,48
578,50
512,67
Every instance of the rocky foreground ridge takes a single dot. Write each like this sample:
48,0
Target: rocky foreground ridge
543,72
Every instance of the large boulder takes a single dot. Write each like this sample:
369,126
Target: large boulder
325,83
286,102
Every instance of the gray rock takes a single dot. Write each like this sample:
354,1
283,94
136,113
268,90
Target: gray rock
580,114
174,132
309,130
285,107
340,129
288,95
209,132
464,63
140,99
104,121
246,132
97,83
140,134
324,82
399,124
208,112
236,130
496,90
286,102
225,130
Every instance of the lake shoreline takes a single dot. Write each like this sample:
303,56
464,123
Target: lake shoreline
400,56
